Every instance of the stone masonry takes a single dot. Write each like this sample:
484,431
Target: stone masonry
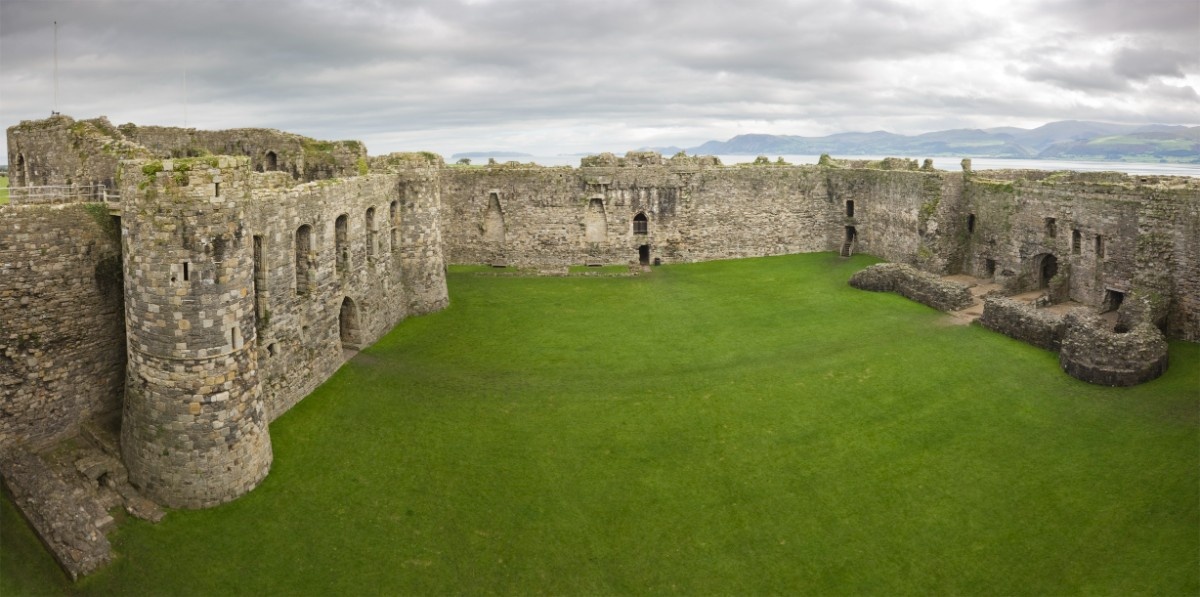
253,261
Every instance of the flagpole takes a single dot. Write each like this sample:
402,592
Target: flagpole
55,67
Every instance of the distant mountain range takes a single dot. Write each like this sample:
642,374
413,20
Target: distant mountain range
1067,139
471,155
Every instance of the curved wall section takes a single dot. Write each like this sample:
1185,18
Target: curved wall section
194,427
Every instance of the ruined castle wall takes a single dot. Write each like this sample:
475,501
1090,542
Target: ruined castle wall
1096,354
62,331
353,290
193,427
752,211
1183,320
268,149
1108,235
61,151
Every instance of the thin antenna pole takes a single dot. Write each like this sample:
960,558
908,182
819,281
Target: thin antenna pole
56,67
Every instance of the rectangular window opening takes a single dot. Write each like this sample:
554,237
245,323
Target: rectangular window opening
1076,243
1099,247
1051,228
217,189
185,271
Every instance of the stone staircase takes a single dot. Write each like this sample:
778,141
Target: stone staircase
979,288
846,248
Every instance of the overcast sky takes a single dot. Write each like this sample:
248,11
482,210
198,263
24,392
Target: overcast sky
564,76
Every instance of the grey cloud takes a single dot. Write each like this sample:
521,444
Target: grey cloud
1142,63
418,69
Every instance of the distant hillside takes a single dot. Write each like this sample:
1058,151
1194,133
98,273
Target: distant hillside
1068,139
489,154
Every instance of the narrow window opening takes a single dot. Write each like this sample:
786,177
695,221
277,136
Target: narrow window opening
850,208
640,224
1099,247
341,243
370,232
185,271
303,248
1051,228
971,223
260,284
20,172
233,337
1076,242
217,189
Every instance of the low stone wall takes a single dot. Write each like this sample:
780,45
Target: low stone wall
71,526
1096,354
909,282
1023,322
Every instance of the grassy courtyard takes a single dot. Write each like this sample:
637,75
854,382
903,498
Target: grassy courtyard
740,427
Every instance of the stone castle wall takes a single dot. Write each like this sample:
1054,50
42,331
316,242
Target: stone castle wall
695,211
246,292
62,151
1096,238
62,330
283,277
268,149
194,426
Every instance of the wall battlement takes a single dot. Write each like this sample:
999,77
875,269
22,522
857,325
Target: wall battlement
243,266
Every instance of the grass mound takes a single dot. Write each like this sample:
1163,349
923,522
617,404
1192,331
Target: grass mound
747,427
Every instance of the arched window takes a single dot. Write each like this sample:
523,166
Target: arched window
303,259
640,224
271,161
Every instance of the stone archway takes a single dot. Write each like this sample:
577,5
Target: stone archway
348,325
1045,267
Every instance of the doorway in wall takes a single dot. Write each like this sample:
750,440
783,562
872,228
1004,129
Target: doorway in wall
644,254
348,326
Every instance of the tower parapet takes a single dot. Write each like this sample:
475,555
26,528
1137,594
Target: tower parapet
194,427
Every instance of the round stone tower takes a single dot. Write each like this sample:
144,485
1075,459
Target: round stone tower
194,427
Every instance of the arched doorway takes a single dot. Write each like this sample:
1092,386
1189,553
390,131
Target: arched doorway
1047,267
348,325
270,161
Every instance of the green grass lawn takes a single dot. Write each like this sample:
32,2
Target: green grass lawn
740,427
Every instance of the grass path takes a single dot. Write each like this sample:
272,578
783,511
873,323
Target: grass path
742,427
